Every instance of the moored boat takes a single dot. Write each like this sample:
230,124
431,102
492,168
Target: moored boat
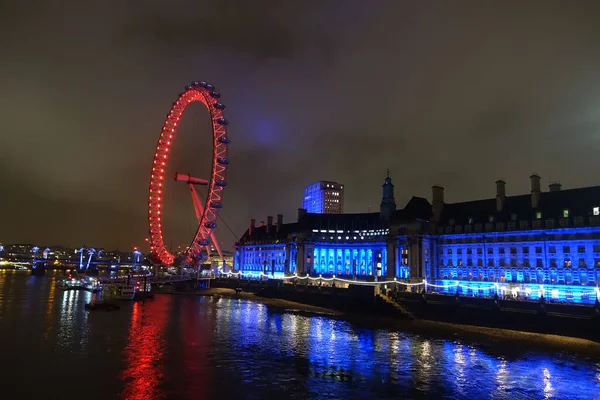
118,291
70,284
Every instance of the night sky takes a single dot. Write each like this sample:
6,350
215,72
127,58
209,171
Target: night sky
455,93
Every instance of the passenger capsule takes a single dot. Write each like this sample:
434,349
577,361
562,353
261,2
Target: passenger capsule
222,160
224,139
210,225
215,95
209,86
188,87
222,121
221,183
195,83
219,106
216,204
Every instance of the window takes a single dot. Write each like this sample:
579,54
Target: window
471,218
525,250
566,213
552,249
491,218
513,217
566,249
581,249
596,210
538,250
538,215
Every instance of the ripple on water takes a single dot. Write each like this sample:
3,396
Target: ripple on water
186,348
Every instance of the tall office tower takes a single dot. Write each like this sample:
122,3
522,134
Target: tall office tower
324,197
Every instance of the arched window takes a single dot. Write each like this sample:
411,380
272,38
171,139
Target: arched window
583,277
553,276
568,277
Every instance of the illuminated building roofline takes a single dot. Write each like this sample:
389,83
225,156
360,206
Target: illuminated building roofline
521,232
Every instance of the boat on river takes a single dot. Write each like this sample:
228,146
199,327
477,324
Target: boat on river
70,284
79,283
119,291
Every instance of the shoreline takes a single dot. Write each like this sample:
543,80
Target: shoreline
477,335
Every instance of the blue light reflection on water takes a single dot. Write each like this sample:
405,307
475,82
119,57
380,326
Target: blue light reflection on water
188,347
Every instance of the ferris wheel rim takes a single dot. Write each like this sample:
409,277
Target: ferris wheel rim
206,94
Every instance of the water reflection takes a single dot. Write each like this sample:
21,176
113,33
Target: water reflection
196,339
184,347
49,308
144,352
72,321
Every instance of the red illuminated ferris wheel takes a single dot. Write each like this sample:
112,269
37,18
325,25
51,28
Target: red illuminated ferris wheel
199,249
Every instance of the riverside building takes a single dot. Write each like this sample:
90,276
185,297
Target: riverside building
544,242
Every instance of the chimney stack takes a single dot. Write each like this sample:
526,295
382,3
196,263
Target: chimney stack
500,194
261,224
301,213
536,192
279,221
437,202
554,187
269,224
252,226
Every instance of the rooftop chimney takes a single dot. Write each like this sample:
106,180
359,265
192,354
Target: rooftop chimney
252,226
261,223
554,187
536,192
279,221
301,213
437,202
269,224
500,194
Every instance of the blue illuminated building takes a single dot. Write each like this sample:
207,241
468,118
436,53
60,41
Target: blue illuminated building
324,197
524,246
345,245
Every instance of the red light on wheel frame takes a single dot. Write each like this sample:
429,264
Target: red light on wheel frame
209,217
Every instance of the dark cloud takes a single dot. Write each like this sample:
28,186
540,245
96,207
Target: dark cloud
451,93
262,29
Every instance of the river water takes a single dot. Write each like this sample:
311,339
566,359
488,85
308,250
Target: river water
188,347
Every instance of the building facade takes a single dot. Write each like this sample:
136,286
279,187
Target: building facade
526,246
324,197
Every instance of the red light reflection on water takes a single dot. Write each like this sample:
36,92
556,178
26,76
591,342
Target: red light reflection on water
144,352
196,336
